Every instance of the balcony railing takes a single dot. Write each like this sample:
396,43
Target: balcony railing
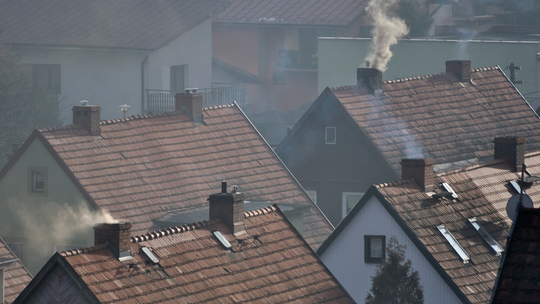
163,101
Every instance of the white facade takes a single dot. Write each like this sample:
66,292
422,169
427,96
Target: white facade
112,77
345,256
338,59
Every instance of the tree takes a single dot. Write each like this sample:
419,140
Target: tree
22,108
395,282
416,14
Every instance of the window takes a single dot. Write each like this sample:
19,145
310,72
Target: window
330,136
374,248
45,77
313,195
17,248
349,199
178,78
37,180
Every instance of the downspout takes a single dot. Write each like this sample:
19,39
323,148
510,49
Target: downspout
145,60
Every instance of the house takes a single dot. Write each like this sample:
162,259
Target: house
234,257
454,225
112,53
518,275
355,136
143,169
271,48
13,276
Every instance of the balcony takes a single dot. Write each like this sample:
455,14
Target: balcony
163,101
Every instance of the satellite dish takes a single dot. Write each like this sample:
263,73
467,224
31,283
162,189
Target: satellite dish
511,206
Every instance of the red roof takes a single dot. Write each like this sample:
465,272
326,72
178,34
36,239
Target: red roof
142,168
270,263
517,281
298,12
16,278
131,24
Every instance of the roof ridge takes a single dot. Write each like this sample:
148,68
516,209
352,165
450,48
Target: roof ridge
471,167
77,251
193,226
215,107
394,183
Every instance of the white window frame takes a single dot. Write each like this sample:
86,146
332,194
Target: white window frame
344,201
312,194
38,177
329,129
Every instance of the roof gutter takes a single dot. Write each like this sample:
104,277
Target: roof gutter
78,48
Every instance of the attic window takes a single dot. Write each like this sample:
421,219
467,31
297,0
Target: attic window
516,187
449,189
224,242
330,136
37,180
485,235
450,238
150,255
374,248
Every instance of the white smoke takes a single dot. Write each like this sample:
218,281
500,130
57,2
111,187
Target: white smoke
387,29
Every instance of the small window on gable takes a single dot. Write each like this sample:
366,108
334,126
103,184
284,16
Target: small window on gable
374,248
37,180
330,136
313,195
348,200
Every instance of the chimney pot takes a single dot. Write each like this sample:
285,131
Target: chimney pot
229,208
420,170
87,117
511,147
460,68
116,234
191,103
370,78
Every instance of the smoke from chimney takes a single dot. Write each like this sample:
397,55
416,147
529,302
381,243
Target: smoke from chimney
387,29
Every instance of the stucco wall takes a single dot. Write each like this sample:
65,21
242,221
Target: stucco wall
40,220
345,257
340,57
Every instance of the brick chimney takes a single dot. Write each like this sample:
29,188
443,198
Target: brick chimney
116,234
420,170
88,117
460,68
513,148
370,78
192,103
229,207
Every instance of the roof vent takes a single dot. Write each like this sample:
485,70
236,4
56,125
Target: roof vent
150,255
224,242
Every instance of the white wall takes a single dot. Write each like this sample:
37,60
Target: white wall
105,78
338,59
345,257
194,49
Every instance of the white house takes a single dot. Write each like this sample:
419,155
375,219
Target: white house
111,52
454,225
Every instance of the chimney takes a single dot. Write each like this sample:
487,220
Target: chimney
370,78
420,170
88,117
513,148
460,68
191,102
229,207
116,234
5,263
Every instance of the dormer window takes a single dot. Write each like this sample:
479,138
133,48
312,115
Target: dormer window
330,136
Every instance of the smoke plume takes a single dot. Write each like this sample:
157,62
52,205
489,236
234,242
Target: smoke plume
387,29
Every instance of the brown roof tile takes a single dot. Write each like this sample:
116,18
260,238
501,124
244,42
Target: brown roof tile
133,24
143,168
483,192
436,116
270,263
298,12
16,278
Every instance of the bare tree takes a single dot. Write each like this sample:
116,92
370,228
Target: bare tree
395,282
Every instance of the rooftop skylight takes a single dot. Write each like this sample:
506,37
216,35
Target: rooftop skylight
485,235
222,239
449,189
450,238
516,186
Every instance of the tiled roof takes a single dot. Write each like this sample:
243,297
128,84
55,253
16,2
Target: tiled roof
16,278
483,192
438,117
518,277
144,167
298,12
133,24
270,263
